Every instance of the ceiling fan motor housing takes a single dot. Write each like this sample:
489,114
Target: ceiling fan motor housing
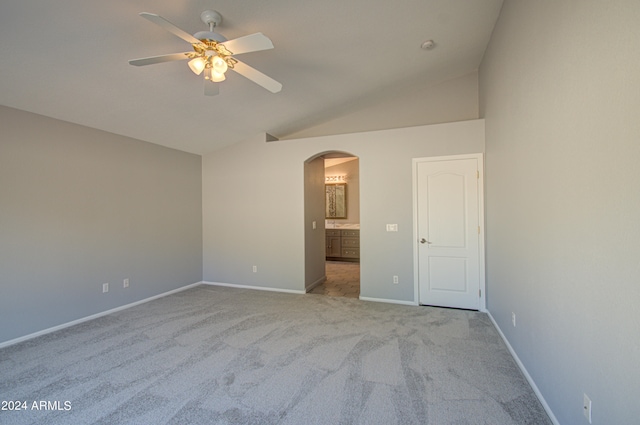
212,36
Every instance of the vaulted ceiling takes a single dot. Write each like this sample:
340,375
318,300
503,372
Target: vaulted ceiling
69,60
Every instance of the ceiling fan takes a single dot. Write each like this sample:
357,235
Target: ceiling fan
213,53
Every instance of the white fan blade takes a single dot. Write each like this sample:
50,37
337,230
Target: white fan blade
210,88
160,59
257,77
248,43
159,20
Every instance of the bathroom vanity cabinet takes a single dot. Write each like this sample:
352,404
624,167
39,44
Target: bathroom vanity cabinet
343,244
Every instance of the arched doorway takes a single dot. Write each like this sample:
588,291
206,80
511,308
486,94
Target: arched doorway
332,207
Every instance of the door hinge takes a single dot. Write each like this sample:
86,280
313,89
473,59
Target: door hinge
478,229
479,293
477,174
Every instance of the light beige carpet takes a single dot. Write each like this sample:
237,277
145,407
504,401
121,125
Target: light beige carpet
216,355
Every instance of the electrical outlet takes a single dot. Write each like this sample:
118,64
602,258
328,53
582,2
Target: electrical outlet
314,225
392,227
586,407
395,279
105,287
255,269
125,283
513,319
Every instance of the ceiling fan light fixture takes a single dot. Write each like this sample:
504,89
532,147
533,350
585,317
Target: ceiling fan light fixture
219,65
197,65
211,74
216,76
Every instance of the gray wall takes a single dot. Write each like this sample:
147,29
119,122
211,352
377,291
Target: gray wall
314,246
560,93
80,207
253,203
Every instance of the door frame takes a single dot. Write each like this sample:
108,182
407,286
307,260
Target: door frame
481,240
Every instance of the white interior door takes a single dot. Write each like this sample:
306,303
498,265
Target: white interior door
449,248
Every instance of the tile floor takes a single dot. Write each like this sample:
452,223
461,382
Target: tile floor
343,280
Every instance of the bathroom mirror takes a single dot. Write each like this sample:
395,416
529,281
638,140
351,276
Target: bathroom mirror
335,200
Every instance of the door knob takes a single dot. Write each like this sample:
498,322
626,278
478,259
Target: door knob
423,240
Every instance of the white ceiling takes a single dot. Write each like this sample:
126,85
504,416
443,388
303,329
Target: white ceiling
68,60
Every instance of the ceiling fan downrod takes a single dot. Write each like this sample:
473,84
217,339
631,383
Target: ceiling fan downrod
211,18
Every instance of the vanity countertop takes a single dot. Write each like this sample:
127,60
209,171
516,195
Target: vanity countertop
342,226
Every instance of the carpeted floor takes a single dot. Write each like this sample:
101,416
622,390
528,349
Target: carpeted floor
236,356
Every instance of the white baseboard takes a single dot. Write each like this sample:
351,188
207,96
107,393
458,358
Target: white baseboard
525,372
259,288
93,316
316,283
384,300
